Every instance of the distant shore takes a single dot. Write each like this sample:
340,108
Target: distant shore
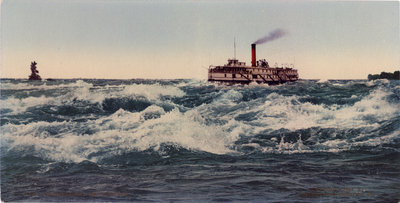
385,75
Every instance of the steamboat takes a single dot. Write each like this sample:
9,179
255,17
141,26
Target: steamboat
259,71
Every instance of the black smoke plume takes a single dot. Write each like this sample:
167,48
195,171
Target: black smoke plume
276,34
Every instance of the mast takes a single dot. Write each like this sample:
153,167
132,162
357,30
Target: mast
234,47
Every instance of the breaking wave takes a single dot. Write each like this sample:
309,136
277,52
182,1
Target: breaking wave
73,121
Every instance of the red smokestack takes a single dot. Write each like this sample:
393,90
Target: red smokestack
253,55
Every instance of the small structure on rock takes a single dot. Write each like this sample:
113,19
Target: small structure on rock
34,75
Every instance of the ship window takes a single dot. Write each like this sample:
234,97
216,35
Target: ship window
254,76
233,75
225,75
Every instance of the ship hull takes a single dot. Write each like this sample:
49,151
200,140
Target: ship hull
247,82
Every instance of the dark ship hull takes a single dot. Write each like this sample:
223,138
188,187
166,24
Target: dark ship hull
260,72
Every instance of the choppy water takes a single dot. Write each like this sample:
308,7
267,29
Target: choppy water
188,140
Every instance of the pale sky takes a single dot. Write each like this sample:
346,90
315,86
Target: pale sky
122,39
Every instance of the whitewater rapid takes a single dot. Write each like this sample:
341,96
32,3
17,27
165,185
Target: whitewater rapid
87,121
